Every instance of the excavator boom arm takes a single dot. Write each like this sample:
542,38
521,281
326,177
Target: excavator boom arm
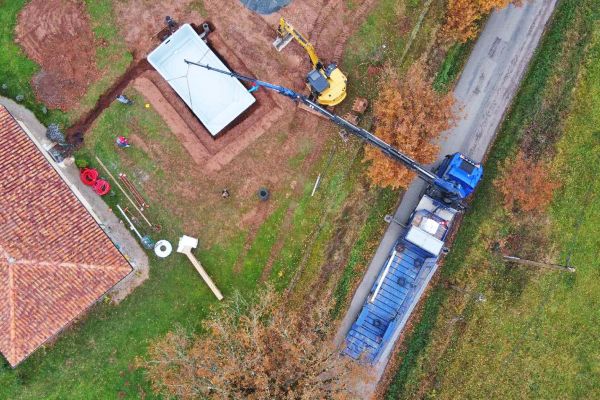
287,29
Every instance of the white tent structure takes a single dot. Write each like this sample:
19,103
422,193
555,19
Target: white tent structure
216,99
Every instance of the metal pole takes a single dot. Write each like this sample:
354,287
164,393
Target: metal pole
518,260
122,190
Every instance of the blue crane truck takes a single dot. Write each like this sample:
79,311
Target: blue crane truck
414,258
399,285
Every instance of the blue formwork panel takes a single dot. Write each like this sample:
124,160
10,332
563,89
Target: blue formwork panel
366,337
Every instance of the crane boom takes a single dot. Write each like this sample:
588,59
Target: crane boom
448,187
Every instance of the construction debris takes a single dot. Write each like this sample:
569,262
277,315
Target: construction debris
137,196
360,105
155,227
353,118
146,240
522,261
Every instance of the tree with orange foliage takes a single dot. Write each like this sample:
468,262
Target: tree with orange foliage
463,16
409,115
525,185
256,351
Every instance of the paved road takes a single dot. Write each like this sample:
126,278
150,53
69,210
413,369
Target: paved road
487,86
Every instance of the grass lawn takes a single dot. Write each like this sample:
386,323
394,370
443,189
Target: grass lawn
112,58
382,39
536,334
452,66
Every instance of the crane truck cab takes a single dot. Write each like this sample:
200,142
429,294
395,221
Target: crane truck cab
462,172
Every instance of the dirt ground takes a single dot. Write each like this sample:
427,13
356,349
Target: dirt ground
141,20
252,153
57,35
245,47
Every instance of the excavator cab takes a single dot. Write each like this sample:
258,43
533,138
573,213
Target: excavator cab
317,82
327,84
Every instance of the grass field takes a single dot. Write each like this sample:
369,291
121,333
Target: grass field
95,358
536,334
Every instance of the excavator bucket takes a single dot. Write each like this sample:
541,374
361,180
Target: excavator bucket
282,41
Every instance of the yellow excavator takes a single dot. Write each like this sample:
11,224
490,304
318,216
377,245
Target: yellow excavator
326,83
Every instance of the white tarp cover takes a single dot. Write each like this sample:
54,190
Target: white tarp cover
216,99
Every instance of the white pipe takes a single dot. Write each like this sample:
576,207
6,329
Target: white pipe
130,223
123,190
316,185
385,272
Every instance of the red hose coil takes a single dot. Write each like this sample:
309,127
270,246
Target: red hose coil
101,187
89,176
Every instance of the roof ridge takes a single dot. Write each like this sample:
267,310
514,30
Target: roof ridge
66,264
38,295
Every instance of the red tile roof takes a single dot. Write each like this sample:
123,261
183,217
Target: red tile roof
55,261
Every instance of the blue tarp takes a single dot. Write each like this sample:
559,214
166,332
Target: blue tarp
265,6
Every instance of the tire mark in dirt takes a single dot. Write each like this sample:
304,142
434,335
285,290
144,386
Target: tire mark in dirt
57,35
355,212
348,29
315,233
324,17
262,211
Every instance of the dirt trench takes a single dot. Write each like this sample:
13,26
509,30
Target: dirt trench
104,101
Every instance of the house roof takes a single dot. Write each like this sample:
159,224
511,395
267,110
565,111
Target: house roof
55,261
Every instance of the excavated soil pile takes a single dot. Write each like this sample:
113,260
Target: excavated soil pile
141,20
57,35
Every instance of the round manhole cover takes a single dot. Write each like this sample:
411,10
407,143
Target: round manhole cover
265,6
